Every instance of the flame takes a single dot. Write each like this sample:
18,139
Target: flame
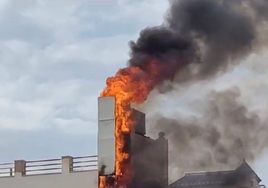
122,87
132,85
102,182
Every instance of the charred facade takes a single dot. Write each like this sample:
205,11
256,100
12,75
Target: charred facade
149,158
148,161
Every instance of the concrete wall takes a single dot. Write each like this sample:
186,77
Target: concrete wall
67,172
149,158
106,137
250,182
86,179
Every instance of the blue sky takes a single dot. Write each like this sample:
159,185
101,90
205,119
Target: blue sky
55,57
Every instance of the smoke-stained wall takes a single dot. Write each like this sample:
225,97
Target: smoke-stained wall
149,158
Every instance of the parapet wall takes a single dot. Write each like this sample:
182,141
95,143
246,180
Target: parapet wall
67,172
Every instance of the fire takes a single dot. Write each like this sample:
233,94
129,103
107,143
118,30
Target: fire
125,90
132,85
102,181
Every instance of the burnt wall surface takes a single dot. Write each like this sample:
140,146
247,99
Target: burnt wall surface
149,158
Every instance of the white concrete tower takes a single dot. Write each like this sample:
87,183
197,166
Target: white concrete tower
106,137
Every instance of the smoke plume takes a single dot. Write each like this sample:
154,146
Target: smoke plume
198,40
221,138
213,34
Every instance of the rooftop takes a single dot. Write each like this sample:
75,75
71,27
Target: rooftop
215,178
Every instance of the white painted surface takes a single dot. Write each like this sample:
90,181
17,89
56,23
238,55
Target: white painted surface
106,138
84,179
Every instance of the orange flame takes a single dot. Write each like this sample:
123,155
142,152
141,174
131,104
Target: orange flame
102,182
132,85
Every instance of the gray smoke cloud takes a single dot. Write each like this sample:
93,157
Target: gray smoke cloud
225,31
221,138
200,40
204,38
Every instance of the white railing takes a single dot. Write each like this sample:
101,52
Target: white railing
66,164
43,166
7,169
85,163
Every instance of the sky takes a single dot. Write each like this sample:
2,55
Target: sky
54,59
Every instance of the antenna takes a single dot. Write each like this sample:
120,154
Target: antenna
243,152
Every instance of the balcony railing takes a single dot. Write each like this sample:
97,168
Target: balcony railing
66,164
85,163
43,166
6,169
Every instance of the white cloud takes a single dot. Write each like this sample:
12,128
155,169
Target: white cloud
150,12
55,56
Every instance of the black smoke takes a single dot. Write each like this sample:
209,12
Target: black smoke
159,43
213,34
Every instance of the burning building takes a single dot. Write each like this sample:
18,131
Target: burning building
143,161
199,40
146,164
